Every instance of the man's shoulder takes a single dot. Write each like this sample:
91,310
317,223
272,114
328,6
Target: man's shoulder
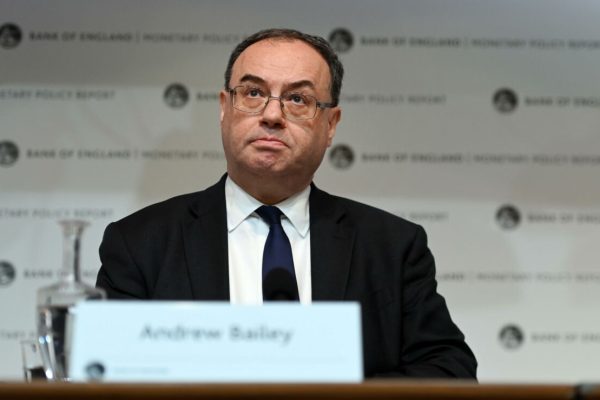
166,208
175,209
367,216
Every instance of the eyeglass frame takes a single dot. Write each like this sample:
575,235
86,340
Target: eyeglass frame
320,104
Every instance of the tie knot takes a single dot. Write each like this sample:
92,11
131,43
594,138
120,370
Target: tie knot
270,214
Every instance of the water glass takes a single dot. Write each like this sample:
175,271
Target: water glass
33,368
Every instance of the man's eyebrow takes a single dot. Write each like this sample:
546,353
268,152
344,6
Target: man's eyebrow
305,83
253,79
300,84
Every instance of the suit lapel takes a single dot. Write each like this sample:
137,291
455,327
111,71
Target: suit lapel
331,242
205,242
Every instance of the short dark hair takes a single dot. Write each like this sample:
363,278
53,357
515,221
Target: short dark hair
336,69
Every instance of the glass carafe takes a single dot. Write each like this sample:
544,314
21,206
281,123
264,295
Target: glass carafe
55,303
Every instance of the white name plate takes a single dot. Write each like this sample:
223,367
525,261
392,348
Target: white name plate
160,341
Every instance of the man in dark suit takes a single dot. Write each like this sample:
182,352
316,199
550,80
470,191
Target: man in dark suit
279,113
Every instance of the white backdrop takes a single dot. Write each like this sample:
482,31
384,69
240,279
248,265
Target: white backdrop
456,114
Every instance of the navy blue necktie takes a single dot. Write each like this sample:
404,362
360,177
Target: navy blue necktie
279,277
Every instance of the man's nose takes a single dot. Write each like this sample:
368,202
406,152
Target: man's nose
272,115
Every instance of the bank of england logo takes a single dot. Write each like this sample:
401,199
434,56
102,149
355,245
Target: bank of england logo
505,100
176,95
9,153
508,217
10,36
7,273
341,156
95,371
341,40
511,337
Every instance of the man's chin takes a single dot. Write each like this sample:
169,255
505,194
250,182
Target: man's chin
275,173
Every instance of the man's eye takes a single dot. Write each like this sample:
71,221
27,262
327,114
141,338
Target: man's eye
252,92
296,98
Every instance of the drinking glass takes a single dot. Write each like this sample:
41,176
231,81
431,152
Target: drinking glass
55,304
33,368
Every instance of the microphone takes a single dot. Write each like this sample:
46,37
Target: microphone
280,285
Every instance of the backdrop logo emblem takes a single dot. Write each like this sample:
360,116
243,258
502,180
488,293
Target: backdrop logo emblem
341,40
95,371
341,156
505,100
508,217
7,273
176,95
511,337
9,153
10,36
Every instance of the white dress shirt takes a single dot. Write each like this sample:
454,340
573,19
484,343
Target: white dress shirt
247,234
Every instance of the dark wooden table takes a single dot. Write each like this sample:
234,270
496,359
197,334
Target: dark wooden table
383,389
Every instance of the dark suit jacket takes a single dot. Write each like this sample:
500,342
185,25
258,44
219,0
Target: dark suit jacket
177,250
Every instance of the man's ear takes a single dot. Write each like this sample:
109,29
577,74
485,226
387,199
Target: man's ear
222,103
335,115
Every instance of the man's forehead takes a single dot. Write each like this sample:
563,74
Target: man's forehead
284,56
272,44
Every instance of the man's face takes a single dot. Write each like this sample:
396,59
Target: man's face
267,144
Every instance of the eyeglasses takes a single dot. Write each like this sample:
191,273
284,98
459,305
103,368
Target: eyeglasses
295,106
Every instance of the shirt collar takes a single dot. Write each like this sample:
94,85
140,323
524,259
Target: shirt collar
240,205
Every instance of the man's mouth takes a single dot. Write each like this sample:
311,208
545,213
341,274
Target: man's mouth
269,142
